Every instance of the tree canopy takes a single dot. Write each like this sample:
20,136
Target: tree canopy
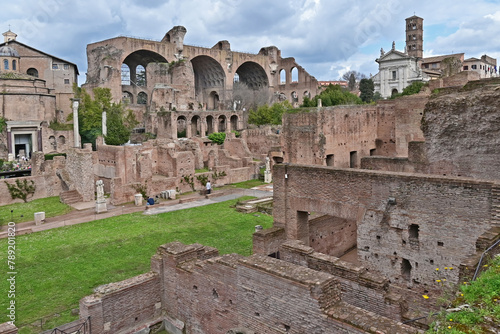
366,88
119,122
333,95
268,114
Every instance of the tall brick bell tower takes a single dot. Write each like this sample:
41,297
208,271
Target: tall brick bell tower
415,36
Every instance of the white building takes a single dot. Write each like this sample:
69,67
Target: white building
397,70
486,66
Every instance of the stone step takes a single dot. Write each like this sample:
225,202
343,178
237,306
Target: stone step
70,197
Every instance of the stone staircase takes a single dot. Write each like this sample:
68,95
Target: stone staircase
70,197
495,205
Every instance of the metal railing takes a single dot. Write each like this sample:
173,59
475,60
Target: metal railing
76,327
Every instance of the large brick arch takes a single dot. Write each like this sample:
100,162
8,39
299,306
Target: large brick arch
253,75
209,80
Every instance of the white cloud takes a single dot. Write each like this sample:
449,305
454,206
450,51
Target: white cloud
323,37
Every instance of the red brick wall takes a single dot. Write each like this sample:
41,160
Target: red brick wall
124,305
451,212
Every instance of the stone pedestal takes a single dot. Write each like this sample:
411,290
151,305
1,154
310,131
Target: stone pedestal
39,218
101,207
10,157
138,199
268,177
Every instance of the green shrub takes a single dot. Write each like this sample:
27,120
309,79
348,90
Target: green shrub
51,156
21,189
217,137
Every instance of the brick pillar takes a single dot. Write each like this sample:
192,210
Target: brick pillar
91,307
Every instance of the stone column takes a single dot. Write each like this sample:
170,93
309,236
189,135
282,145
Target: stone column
104,124
173,118
203,127
189,133
76,132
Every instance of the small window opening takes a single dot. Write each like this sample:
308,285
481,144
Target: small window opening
440,243
406,269
413,231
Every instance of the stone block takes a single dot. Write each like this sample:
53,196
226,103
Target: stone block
138,199
268,177
39,218
101,207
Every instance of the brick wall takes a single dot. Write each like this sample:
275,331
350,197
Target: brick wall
80,169
448,215
332,235
123,305
340,136
359,287
201,292
260,140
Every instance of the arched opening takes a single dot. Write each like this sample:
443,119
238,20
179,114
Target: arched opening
135,68
213,101
127,98
210,125
5,64
142,98
222,123
234,123
125,73
14,65
253,86
61,140
295,74
209,76
33,72
53,143
294,97
307,94
282,77
181,127
196,126
253,75
140,76
394,92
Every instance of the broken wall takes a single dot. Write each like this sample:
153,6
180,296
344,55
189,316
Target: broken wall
422,221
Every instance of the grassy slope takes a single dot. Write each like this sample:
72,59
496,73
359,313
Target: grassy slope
56,268
483,296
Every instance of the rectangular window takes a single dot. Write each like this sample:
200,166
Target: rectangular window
435,65
353,161
474,67
466,68
394,73
330,159
66,66
55,66
66,81
426,65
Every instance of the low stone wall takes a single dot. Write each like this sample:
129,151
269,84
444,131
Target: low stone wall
194,290
124,306
359,287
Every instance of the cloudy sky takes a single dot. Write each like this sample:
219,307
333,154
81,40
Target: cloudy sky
326,37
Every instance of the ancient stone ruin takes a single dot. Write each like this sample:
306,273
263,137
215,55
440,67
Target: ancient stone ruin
351,250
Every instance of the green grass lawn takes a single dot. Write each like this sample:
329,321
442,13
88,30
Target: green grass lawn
58,267
50,205
246,184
